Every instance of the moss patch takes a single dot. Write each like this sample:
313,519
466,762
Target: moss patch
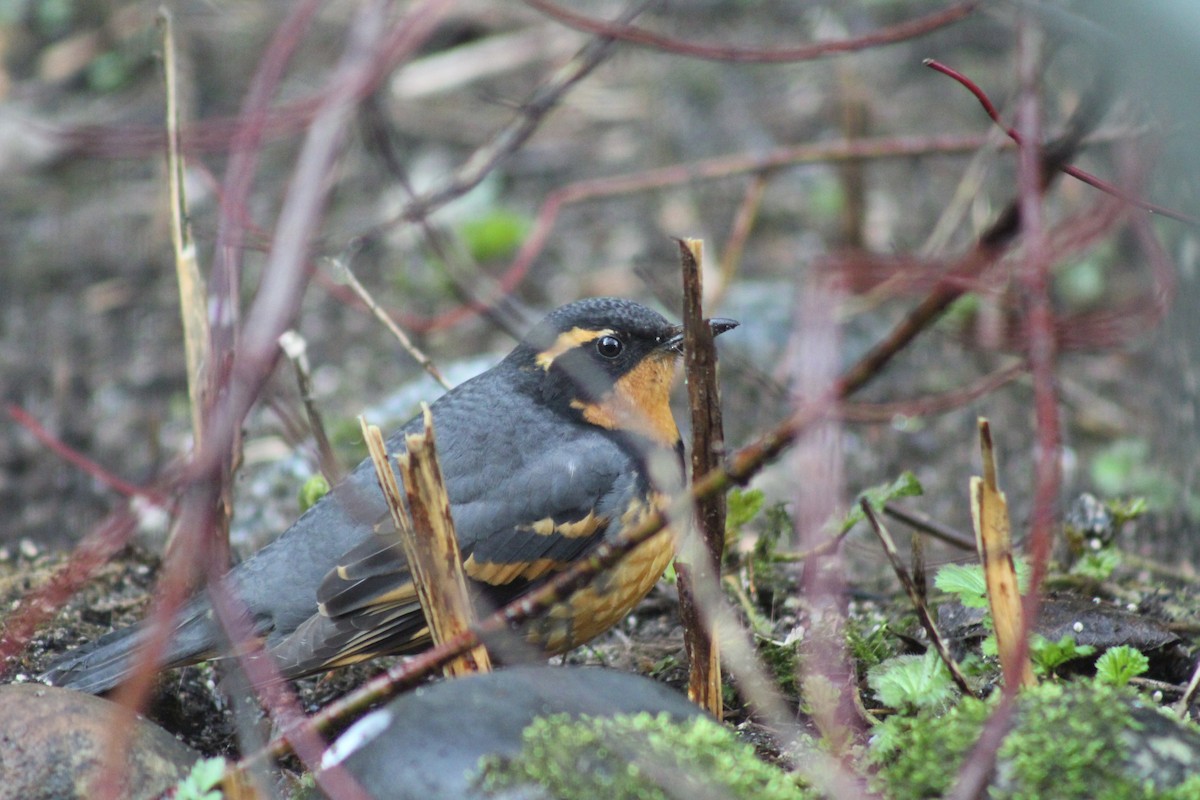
632,757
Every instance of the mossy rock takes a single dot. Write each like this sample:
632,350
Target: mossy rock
1075,741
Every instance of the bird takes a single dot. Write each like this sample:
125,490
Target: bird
545,456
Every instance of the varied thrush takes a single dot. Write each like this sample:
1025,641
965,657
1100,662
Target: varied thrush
545,455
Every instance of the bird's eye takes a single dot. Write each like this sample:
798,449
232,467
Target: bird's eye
609,346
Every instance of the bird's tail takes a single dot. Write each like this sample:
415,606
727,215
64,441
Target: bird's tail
102,665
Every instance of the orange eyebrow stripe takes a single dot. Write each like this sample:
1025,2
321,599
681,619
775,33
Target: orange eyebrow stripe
566,342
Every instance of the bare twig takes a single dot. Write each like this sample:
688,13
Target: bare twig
1189,694
73,456
932,404
699,569
518,131
295,348
409,346
739,234
926,524
914,596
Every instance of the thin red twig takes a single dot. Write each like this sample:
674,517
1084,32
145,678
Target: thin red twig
1073,171
640,36
73,456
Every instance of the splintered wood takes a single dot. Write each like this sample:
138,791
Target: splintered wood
989,511
426,531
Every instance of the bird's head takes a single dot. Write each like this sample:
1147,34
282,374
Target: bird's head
610,361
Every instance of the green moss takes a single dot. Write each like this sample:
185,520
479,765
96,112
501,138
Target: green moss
1070,742
632,757
782,660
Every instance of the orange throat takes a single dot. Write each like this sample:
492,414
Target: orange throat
639,402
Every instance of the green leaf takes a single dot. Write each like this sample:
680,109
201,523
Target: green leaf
743,506
967,582
313,490
201,782
1048,656
1119,664
1127,510
495,235
913,682
1097,564
906,485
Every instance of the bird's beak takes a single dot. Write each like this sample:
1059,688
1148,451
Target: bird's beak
674,342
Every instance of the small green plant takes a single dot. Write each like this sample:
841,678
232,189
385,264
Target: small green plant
742,506
313,490
869,637
1098,565
1070,741
913,682
1127,510
201,783
1119,664
1048,656
966,582
906,485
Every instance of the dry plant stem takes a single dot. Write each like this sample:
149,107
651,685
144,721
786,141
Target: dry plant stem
295,348
381,315
928,525
1189,694
915,597
739,233
699,571
931,404
628,33
193,294
989,511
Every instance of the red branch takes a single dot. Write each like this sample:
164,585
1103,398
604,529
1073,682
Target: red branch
640,36
1073,171
73,456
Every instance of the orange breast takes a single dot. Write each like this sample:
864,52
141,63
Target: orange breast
607,600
